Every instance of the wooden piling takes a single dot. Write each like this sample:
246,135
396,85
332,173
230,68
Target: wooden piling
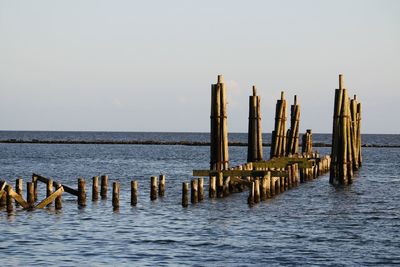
212,193
220,185
263,188
81,192
35,190
103,186
153,188
30,198
250,199
95,188
225,189
161,187
58,201
194,197
200,182
134,192
9,199
256,191
18,188
49,190
115,196
185,192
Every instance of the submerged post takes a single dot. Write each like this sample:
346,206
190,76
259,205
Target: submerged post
153,188
95,188
58,201
161,187
185,192
81,192
104,185
115,196
134,192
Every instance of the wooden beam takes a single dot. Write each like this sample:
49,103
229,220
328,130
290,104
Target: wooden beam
66,188
2,187
50,199
18,198
283,162
240,173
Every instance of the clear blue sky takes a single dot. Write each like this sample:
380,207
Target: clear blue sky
148,65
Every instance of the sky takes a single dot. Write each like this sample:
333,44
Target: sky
94,65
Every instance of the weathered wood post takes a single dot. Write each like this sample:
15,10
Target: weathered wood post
267,177
254,147
278,142
95,188
103,186
49,189
30,194
220,185
81,192
9,199
134,192
194,197
161,188
35,190
256,191
58,201
18,188
212,187
115,196
263,188
250,199
226,186
185,192
153,188
201,188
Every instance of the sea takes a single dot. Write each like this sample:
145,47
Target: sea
314,224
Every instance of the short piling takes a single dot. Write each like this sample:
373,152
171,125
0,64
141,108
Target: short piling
134,192
250,199
153,188
256,191
49,189
194,197
220,185
30,197
200,182
3,197
212,193
9,199
95,188
115,196
103,186
263,188
58,201
185,192
81,192
18,188
161,185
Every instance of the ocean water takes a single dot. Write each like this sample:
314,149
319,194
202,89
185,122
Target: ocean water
313,224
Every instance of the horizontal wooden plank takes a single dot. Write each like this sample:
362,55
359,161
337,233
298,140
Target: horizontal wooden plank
50,199
239,173
55,184
283,162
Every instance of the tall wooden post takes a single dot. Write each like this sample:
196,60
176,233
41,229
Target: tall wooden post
153,188
103,186
81,192
254,146
18,188
219,155
30,194
134,192
115,196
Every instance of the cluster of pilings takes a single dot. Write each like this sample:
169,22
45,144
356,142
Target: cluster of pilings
219,154
346,137
254,140
54,191
265,179
278,143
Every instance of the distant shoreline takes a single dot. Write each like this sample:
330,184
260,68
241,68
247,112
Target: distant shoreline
151,142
